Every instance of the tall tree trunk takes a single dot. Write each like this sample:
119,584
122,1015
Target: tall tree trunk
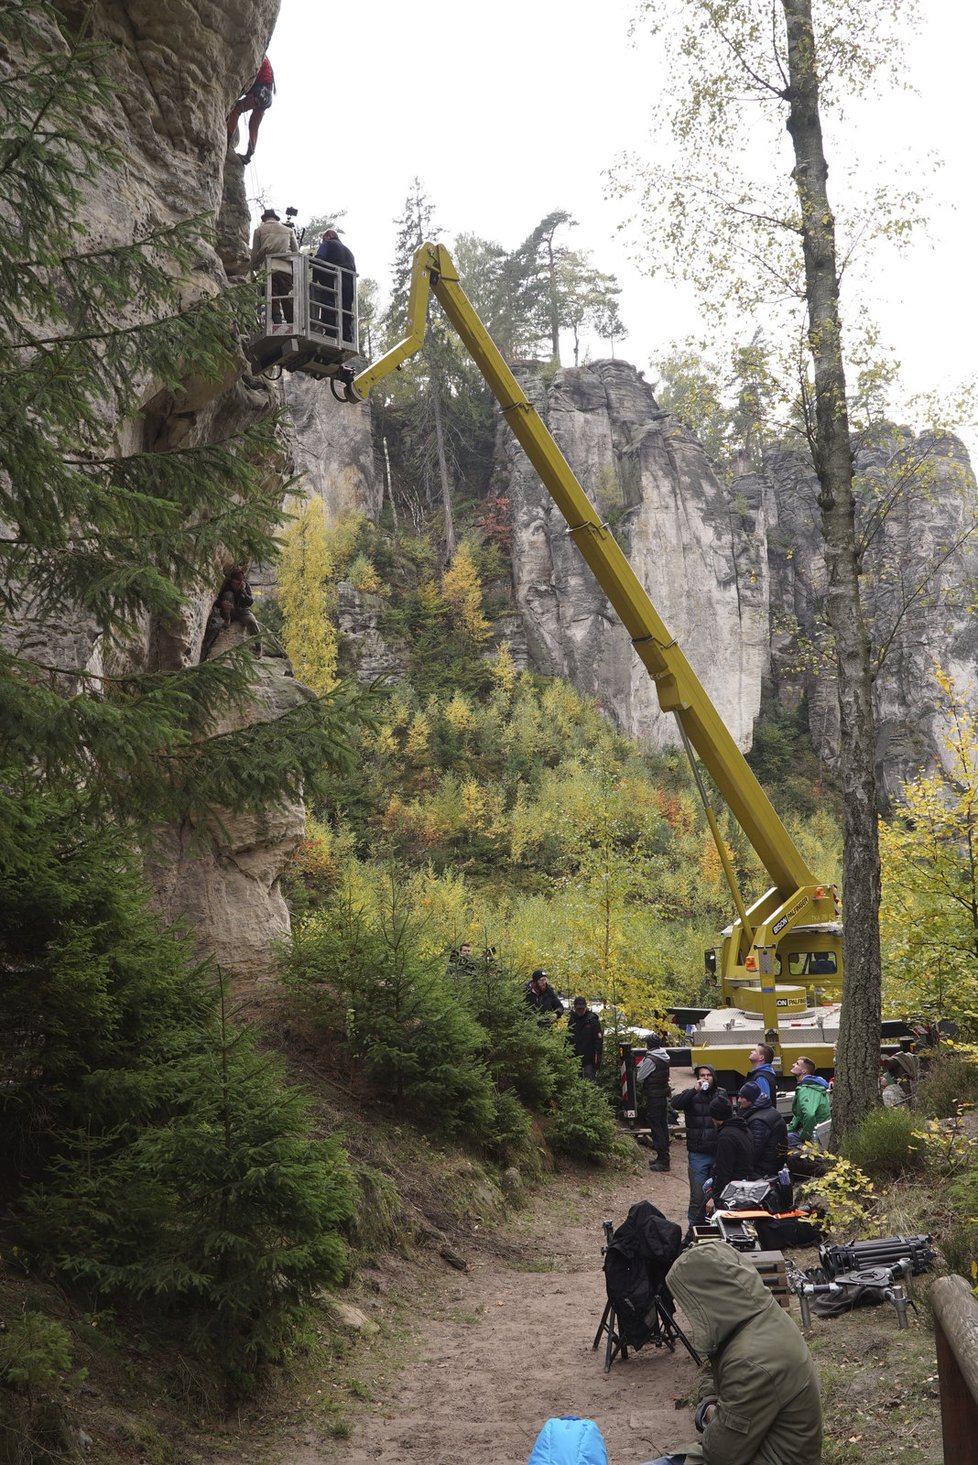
858,1052
446,483
553,302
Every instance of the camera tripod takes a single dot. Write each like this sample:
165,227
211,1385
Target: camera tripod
663,1330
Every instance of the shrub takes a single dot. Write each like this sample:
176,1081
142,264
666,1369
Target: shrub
960,1249
416,1042
951,1082
884,1144
583,1126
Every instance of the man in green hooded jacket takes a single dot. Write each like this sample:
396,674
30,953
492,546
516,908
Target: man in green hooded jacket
761,1404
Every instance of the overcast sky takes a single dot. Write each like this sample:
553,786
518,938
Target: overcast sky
511,109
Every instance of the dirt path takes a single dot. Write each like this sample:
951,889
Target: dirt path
505,1345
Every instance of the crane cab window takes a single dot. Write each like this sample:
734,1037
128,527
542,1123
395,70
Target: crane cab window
812,964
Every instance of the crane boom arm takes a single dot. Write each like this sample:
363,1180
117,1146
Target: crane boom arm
677,686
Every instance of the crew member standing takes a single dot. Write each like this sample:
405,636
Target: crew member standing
701,1134
539,995
653,1076
272,238
335,252
585,1037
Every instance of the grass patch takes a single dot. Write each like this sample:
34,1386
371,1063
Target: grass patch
883,1145
950,1085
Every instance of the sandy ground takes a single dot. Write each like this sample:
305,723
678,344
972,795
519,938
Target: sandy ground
505,1345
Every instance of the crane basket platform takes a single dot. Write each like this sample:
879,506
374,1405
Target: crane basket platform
307,317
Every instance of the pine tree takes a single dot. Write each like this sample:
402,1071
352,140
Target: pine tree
102,542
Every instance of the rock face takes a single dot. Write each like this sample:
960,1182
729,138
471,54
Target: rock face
736,571
177,67
223,877
699,552
333,449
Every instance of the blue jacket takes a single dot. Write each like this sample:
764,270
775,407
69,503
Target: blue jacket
765,1078
569,1441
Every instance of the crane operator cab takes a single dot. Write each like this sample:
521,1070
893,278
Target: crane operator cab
307,319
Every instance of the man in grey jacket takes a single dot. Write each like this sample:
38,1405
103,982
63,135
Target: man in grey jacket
272,238
759,1403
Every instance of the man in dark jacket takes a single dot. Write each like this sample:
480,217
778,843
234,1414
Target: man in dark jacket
334,252
759,1404
652,1076
701,1134
735,1151
585,1037
768,1131
539,995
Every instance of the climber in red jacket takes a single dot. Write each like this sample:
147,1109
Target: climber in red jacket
256,100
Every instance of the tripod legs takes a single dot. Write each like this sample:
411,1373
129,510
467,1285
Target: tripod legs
615,1344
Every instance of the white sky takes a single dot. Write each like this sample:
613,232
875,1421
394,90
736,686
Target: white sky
507,110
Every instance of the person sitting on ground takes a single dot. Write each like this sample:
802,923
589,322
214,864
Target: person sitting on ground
652,1076
759,1399
585,1037
768,1131
734,1159
761,1060
539,995
898,1079
701,1134
256,100
233,603
812,1103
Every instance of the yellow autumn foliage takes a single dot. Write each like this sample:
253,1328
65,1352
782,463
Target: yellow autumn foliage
462,589
304,572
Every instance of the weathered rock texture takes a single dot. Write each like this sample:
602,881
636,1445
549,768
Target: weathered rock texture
177,66
223,877
736,571
916,504
699,552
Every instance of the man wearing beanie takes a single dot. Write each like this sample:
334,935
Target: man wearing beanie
701,1134
768,1131
735,1151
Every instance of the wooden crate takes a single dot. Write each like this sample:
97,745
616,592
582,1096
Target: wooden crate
770,1265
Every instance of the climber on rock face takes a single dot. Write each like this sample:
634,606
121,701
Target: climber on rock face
233,603
256,100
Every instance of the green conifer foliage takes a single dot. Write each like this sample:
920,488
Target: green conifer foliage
102,540
152,1153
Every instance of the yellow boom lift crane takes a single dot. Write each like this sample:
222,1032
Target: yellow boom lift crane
779,963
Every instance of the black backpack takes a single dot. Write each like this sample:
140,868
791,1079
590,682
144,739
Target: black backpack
636,1261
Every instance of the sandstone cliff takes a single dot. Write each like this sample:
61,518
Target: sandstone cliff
735,570
177,67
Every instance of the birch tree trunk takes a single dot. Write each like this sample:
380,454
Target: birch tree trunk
858,1052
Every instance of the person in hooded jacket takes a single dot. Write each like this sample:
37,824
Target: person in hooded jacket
652,1075
734,1159
767,1130
760,1401
812,1103
761,1060
701,1133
